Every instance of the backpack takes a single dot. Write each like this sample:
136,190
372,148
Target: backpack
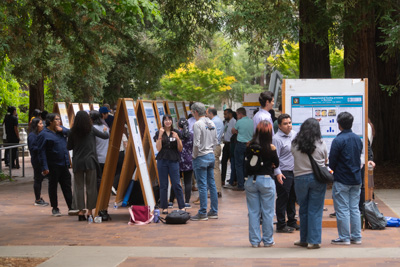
176,217
375,219
253,160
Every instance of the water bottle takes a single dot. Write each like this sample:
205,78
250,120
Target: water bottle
156,216
90,219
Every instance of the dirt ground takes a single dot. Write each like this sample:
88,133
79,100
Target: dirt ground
387,176
17,262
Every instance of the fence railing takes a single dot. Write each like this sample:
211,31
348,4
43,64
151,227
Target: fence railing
10,146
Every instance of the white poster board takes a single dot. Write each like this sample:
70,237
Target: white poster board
187,106
63,114
137,140
75,108
96,106
324,99
173,114
151,123
251,104
86,107
181,110
161,111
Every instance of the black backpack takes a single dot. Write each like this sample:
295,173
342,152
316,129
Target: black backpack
253,160
375,219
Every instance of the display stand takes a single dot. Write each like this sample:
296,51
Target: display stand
160,111
134,161
171,110
84,107
61,109
148,127
94,106
73,108
324,99
180,106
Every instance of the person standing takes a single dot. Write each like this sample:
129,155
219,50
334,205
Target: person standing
219,125
35,128
204,141
284,177
260,188
54,160
226,151
344,160
82,141
169,145
309,192
244,129
11,124
266,100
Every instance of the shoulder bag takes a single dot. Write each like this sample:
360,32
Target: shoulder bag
321,174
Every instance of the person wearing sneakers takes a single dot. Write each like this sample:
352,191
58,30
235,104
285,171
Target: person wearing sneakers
204,141
35,128
309,192
284,177
345,161
260,160
54,161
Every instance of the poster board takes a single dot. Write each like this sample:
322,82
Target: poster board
148,127
180,106
85,107
161,111
187,108
171,110
94,106
61,108
324,99
251,104
134,158
73,108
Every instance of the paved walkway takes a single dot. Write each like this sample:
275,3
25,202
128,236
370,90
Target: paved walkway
30,231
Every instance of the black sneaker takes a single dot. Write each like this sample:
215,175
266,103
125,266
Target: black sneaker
339,241
56,212
41,202
212,215
199,217
332,215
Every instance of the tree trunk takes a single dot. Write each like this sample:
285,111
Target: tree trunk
314,45
36,96
384,109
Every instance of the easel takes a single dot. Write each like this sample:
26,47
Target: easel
180,106
134,158
61,109
85,107
171,110
160,111
94,106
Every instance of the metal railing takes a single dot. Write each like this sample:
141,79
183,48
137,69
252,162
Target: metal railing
9,146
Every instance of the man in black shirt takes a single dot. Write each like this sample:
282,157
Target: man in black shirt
11,124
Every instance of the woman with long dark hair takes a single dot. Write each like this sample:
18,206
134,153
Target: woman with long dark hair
309,192
261,159
169,145
35,128
84,162
54,161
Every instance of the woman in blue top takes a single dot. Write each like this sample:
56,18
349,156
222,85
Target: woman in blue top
35,128
54,161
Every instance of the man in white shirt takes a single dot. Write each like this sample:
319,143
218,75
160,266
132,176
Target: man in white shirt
226,151
266,100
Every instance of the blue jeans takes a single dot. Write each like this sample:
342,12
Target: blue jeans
310,197
260,198
169,167
240,150
345,201
203,167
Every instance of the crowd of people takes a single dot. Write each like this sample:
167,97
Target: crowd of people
270,164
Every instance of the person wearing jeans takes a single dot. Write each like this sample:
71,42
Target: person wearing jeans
345,161
260,187
310,193
204,141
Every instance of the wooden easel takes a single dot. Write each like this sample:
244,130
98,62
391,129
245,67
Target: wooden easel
134,158
61,108
171,110
84,107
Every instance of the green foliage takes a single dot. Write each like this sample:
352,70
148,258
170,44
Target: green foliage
12,94
191,83
4,177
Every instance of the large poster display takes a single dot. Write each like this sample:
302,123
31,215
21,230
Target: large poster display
75,107
134,129
181,109
161,111
63,114
172,112
151,123
323,100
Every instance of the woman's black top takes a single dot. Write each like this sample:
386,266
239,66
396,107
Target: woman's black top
269,160
169,148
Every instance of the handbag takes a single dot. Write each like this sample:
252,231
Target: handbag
321,174
176,217
140,215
